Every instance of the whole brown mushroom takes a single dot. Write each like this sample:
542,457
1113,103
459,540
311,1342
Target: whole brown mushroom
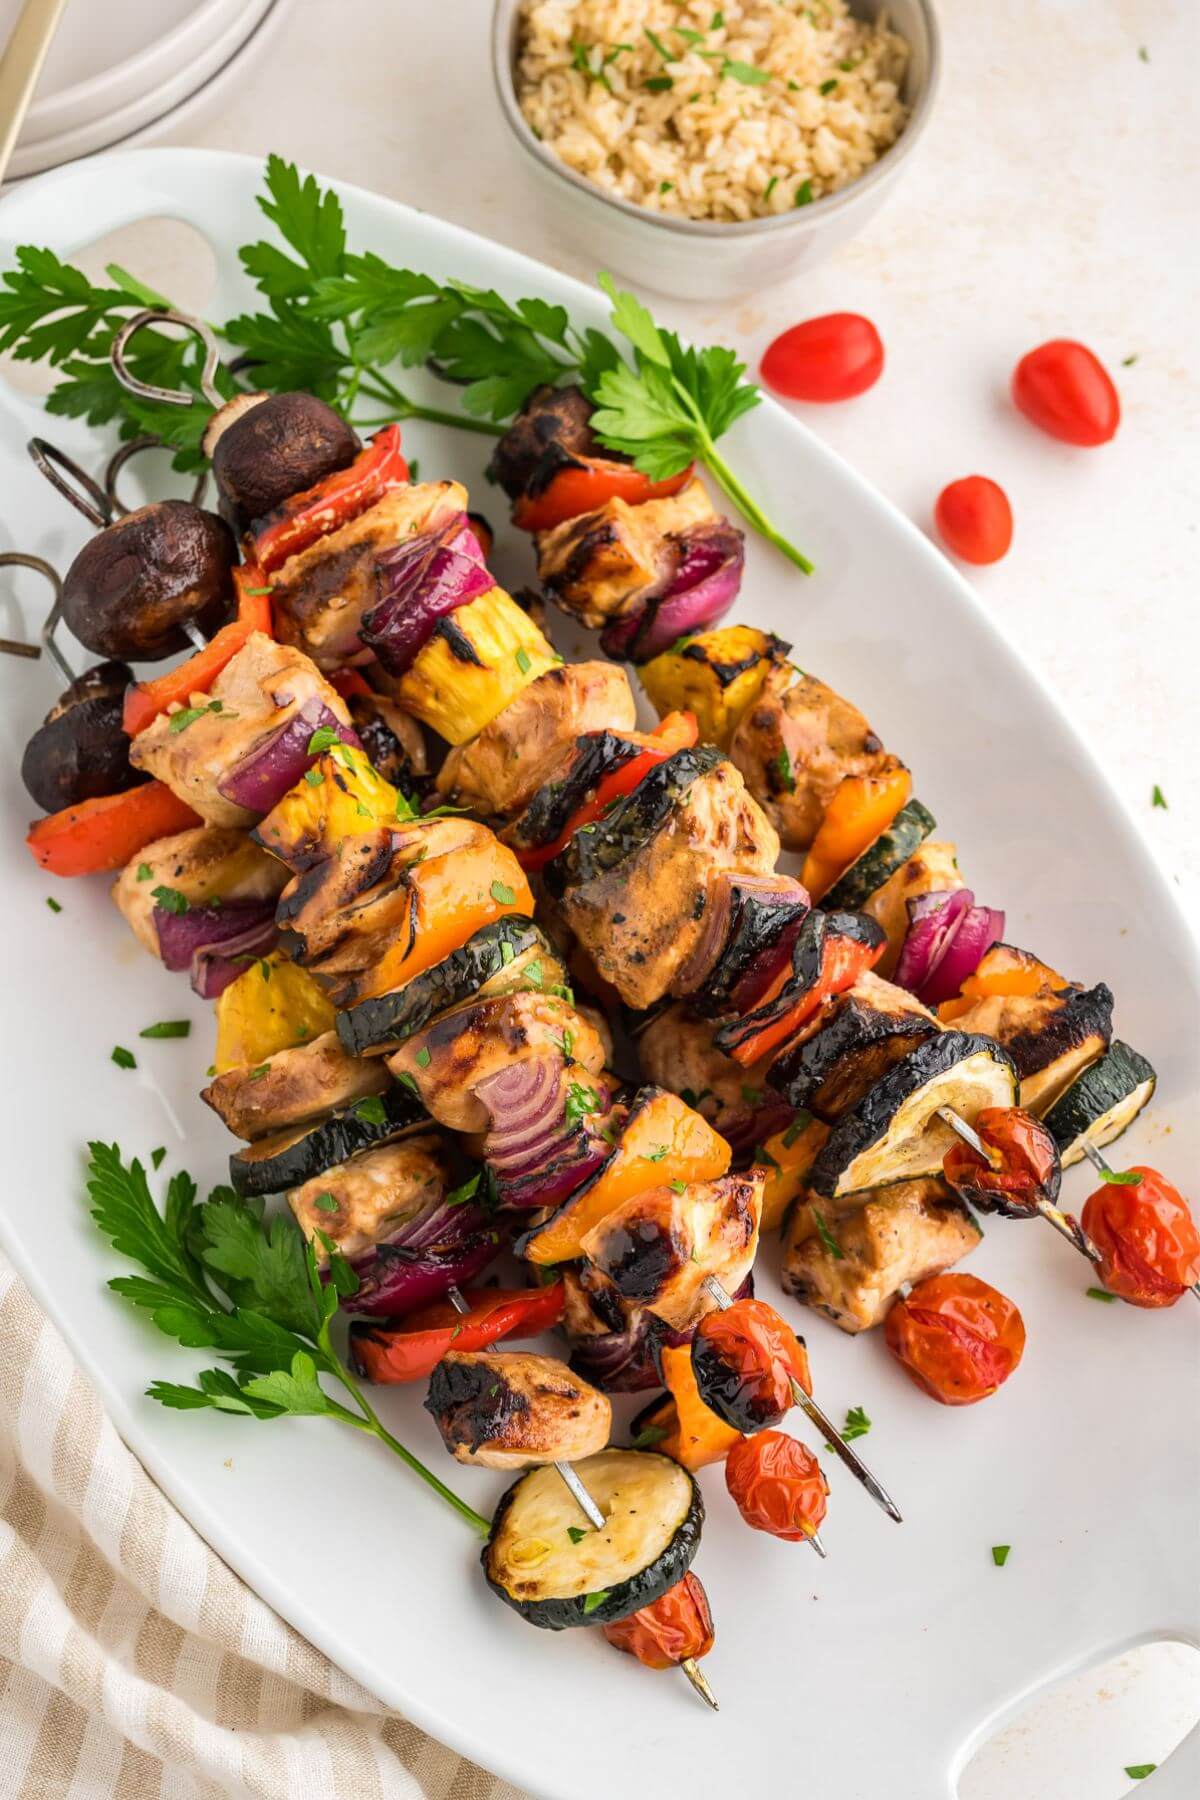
81,752
134,586
266,447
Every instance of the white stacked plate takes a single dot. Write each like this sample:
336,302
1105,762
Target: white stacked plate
112,70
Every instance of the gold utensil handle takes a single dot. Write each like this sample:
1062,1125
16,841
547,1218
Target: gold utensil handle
20,67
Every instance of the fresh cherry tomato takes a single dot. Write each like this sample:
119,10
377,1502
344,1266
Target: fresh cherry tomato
831,358
1148,1242
745,1358
1065,390
409,1351
676,1627
958,1338
975,519
1027,1170
777,1485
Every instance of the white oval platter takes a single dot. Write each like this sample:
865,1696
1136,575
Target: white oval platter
877,1671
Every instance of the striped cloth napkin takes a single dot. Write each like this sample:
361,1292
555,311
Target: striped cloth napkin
133,1663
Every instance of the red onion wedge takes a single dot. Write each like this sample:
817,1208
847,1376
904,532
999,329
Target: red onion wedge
213,942
259,781
420,582
442,1247
947,936
704,585
539,1147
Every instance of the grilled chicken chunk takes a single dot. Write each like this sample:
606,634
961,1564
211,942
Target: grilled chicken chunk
824,738
676,1051
320,595
931,869
205,864
447,1059
258,691
293,1086
508,1409
656,1248
601,565
641,919
373,1194
498,772
885,1237
851,1040
1052,1036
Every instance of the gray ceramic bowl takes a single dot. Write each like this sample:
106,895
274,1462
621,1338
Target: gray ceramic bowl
702,259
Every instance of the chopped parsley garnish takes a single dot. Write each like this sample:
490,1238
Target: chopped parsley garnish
54,905
506,952
595,1600
797,1128
659,46
170,899
523,662
533,972
763,1155
857,1425
770,187
188,715
827,87
580,1101
568,1043
405,1080
718,19
1143,56
647,1437
1158,798
664,187
1120,1177
658,84
658,1152
322,739
1139,1771
156,1157
414,469
576,1533
783,767
145,872
751,1095
804,194
372,1110
679,1187
1000,1554
1127,362
327,1203
261,1069
460,1195
314,777
257,593
168,1028
826,1236
503,895
422,1058
124,1059
744,72
1100,1294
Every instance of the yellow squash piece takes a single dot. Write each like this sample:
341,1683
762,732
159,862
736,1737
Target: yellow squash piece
478,659
341,796
273,1006
718,675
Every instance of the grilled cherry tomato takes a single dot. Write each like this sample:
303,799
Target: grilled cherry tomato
677,731
744,1358
677,1627
975,519
777,1485
958,1338
1065,390
587,483
1027,1169
409,1352
1148,1242
319,510
98,836
834,357
146,699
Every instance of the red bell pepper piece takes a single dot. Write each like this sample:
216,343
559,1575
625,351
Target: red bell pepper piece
318,510
103,834
843,960
348,683
410,1351
581,489
146,699
677,731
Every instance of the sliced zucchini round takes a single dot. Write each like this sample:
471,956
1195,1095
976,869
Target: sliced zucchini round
552,807
893,1134
880,860
633,821
509,953
1101,1103
290,1158
544,1562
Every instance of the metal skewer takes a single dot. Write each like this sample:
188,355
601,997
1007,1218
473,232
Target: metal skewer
1102,1164
833,1436
1063,1222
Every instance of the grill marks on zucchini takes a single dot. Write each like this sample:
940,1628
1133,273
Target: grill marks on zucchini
878,863
850,1043
549,812
1101,1103
595,849
292,1157
653,1517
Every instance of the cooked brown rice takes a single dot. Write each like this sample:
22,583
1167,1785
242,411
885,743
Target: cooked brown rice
739,111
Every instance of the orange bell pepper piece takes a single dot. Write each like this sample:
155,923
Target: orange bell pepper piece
863,806
788,1157
146,699
101,835
1007,983
695,1435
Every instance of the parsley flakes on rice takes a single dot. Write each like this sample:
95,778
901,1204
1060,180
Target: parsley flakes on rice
742,111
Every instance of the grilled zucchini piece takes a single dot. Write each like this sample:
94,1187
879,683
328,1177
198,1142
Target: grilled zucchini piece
717,675
1101,1103
894,1134
653,1517
880,860
1052,1035
852,1040
292,1157
478,658
509,953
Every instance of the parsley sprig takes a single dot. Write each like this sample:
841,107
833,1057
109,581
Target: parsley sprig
335,322
220,1276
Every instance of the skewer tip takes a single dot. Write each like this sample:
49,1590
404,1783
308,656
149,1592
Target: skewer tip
696,1676
814,1538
